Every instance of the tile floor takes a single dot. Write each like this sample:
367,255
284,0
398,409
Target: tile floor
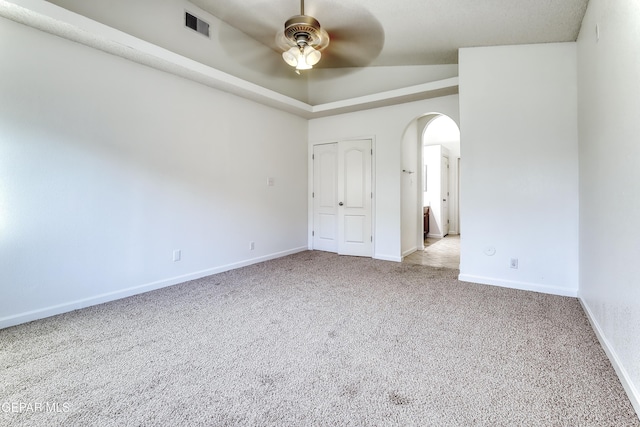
438,253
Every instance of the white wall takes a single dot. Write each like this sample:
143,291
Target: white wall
410,183
107,166
519,172
387,126
609,99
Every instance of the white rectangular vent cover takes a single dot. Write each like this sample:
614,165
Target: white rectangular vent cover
196,24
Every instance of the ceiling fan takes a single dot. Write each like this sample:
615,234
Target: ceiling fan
356,37
302,40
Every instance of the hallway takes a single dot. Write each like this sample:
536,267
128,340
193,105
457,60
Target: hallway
438,253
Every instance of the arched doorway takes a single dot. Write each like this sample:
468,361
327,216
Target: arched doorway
432,138
441,150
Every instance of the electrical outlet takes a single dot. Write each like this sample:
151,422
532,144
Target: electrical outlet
252,245
513,263
177,255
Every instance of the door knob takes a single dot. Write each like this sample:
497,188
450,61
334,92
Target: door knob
340,204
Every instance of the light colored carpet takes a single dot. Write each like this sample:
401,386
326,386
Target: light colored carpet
315,339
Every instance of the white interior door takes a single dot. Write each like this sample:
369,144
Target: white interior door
342,198
445,195
325,197
354,194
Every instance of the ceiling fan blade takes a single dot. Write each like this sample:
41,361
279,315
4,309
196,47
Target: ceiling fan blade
350,48
253,55
356,36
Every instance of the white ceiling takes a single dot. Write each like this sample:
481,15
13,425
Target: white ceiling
409,32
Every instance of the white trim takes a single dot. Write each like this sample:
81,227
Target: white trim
525,286
409,251
393,258
310,191
374,196
623,375
417,92
41,313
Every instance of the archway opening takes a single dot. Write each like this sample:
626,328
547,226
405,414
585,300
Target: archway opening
430,190
441,157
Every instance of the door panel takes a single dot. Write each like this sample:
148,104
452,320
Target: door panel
354,191
355,229
325,200
328,168
354,186
327,227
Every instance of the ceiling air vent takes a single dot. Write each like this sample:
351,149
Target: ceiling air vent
196,24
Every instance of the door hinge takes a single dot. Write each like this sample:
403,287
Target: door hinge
313,157
372,238
313,195
313,233
372,151
372,195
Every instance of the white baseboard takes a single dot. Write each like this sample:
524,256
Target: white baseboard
409,251
623,375
41,313
383,257
525,286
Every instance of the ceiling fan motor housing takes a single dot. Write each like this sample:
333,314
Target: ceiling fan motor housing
303,29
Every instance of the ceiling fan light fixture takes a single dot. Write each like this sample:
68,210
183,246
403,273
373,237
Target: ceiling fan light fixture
302,40
303,64
302,58
311,55
291,56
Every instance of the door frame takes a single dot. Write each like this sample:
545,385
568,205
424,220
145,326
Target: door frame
310,146
444,193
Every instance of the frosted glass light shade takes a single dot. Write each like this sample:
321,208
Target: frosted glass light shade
302,63
291,56
311,55
303,58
